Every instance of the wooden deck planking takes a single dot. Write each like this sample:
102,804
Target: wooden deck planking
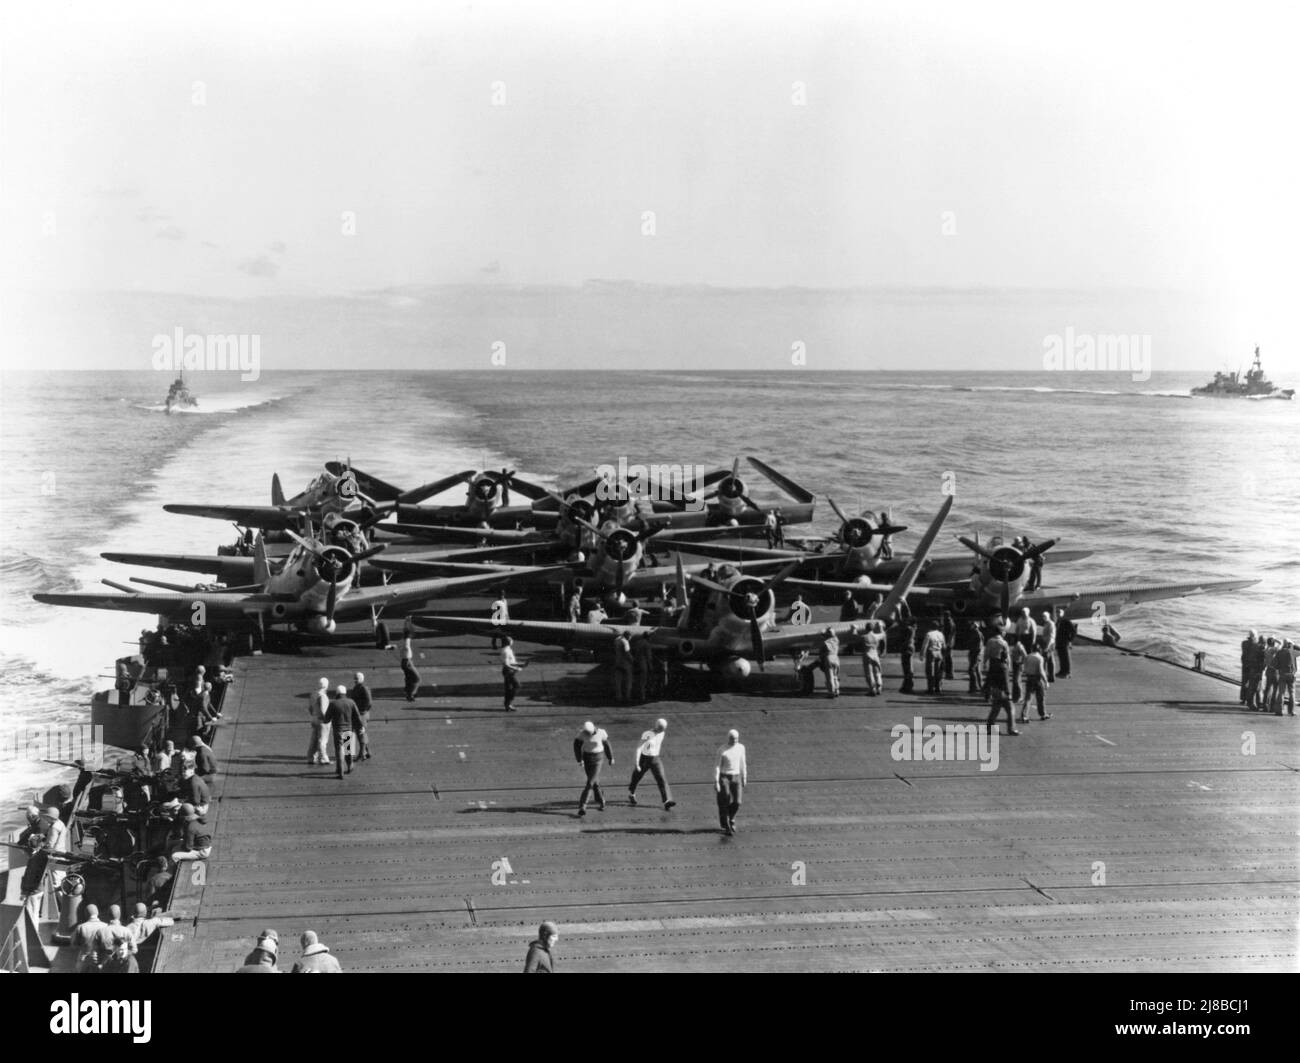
944,868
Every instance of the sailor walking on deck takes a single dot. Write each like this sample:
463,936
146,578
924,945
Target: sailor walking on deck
647,759
591,745
510,667
344,722
730,777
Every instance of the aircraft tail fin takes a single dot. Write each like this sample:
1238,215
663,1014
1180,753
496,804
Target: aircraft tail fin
277,492
909,575
261,570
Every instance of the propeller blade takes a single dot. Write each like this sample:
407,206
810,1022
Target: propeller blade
309,547
735,468
973,544
1040,548
708,584
838,512
378,548
681,583
782,576
749,502
331,600
756,639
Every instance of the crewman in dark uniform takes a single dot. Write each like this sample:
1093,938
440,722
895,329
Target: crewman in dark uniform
1065,631
996,656
949,628
848,608
1247,660
1035,566
622,669
974,650
643,665
344,722
886,551
905,652
360,693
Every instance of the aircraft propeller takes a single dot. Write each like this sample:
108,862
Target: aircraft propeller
747,604
857,532
731,487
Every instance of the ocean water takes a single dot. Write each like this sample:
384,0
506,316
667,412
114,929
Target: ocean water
1160,485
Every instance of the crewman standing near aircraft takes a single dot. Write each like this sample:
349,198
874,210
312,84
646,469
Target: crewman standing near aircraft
886,551
574,604
1035,685
906,650
510,667
996,657
1017,667
591,745
1047,645
622,668
1285,662
848,608
1026,630
1247,667
730,777
345,723
1271,648
948,626
769,528
647,759
1065,631
828,657
974,650
872,643
643,665
318,705
932,647
360,693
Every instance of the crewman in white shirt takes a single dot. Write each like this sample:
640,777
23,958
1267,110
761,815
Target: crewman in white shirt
509,668
647,759
730,776
589,747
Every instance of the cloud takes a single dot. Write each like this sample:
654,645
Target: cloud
209,243
278,248
170,232
117,191
260,266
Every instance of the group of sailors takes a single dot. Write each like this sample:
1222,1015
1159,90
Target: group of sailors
1037,653
1268,672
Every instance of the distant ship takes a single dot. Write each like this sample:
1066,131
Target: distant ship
179,397
1255,385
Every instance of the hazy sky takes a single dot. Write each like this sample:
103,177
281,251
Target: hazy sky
215,149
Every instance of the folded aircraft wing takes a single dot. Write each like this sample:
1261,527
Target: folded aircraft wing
266,517
215,605
545,632
231,568
417,592
1106,601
